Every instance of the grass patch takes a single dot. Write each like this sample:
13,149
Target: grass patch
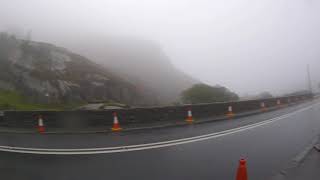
13,100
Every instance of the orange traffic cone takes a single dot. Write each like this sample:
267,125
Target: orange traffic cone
116,125
189,117
279,103
263,107
230,113
41,128
242,170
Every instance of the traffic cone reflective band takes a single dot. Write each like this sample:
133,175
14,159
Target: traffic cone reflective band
242,170
41,128
189,116
230,113
116,125
263,107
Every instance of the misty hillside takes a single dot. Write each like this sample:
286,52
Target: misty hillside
139,61
44,72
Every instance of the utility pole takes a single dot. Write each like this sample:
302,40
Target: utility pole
309,78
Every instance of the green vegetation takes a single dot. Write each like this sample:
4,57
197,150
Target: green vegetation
202,93
117,104
12,100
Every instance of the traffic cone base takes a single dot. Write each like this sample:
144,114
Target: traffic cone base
230,114
41,129
116,128
189,119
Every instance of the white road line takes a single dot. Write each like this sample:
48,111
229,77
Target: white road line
140,147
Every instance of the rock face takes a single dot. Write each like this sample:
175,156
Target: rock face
44,72
140,61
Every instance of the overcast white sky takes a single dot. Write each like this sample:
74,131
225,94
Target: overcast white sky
246,45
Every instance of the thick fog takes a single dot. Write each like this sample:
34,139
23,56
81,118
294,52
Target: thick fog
247,45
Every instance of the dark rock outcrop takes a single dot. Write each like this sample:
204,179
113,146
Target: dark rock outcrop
44,72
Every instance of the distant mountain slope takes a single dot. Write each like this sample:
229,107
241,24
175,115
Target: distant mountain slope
44,72
140,61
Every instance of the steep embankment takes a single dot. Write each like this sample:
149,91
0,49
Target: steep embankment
43,72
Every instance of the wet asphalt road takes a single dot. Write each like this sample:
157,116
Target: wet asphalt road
267,148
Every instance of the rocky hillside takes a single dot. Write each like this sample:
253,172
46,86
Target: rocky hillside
44,72
140,61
